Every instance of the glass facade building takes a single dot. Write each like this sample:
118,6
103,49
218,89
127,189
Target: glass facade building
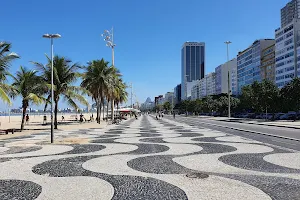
192,64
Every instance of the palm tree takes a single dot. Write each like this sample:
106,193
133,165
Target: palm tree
6,57
95,80
30,87
65,73
112,89
120,93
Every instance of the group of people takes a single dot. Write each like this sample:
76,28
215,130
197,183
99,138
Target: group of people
82,118
159,115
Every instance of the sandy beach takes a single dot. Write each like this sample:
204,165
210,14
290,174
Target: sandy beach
36,125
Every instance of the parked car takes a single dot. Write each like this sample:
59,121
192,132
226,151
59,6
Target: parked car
278,115
289,116
216,114
259,116
237,115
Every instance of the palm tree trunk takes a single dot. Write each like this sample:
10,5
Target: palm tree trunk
24,106
99,111
107,110
112,109
99,105
103,109
55,114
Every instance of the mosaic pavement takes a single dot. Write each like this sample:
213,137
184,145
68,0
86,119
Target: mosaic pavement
147,159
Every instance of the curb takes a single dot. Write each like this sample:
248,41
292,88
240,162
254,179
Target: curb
256,132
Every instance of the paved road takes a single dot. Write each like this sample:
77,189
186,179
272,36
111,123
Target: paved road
147,159
227,127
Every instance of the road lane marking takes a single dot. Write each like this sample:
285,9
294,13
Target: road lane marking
284,142
249,131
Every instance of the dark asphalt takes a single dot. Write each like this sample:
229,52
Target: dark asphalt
226,127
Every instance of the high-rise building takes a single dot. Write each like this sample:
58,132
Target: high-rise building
192,64
249,63
289,12
287,53
268,63
222,77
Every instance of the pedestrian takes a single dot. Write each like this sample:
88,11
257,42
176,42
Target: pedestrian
62,118
174,115
81,117
45,119
27,119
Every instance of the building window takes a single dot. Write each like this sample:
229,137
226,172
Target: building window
290,48
279,64
279,39
289,34
289,68
288,42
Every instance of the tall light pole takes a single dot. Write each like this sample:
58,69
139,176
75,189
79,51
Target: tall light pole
229,90
131,95
51,37
109,39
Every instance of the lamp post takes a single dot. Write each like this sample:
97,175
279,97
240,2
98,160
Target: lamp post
51,37
229,90
109,39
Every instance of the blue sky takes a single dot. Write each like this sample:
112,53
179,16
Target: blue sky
148,34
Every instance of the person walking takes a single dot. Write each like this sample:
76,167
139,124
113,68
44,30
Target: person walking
27,119
173,114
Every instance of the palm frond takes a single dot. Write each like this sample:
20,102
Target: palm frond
3,95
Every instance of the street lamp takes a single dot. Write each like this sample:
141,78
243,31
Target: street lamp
51,37
109,39
229,90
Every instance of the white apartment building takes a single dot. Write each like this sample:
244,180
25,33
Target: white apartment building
222,77
204,87
287,53
210,83
249,63
188,88
195,92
